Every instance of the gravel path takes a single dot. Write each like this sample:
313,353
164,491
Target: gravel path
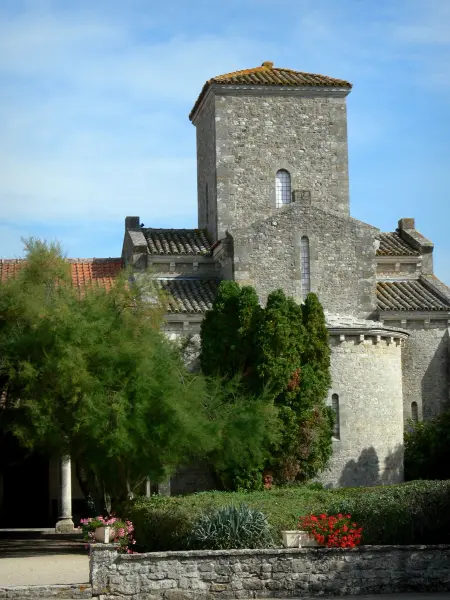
44,570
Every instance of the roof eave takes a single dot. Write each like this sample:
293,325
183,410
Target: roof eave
278,90
400,315
396,333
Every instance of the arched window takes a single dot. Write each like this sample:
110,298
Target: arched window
414,412
335,409
283,188
305,271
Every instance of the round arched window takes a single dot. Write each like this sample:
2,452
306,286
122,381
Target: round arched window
283,188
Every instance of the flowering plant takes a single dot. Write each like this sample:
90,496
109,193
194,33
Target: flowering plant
123,531
333,531
267,480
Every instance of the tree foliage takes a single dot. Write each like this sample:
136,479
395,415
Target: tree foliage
247,427
94,377
282,355
426,449
227,349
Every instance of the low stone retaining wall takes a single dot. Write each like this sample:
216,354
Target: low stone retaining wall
76,591
290,573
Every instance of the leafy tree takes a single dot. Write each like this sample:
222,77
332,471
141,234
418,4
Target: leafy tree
247,427
426,449
279,339
227,331
95,377
283,354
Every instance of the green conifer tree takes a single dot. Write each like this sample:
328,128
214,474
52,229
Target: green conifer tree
227,331
284,353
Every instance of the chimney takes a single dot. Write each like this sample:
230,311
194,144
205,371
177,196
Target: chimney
132,222
405,224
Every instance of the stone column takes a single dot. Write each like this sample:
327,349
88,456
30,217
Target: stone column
164,488
65,523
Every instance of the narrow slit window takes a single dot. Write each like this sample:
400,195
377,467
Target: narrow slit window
283,188
414,412
207,203
335,409
305,267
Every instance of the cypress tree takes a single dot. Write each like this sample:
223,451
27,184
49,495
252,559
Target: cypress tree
283,351
227,331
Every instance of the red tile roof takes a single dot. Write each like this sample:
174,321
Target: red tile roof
99,272
269,75
9,267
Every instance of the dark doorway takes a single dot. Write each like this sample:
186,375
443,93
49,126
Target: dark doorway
24,501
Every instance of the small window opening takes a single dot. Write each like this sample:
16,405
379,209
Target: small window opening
335,409
283,188
207,202
305,267
414,412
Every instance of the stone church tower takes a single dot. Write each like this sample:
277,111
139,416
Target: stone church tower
252,124
273,212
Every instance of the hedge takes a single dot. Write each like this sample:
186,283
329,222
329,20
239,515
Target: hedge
416,512
411,513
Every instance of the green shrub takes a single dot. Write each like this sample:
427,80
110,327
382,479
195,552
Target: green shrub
160,523
163,523
411,513
426,449
231,527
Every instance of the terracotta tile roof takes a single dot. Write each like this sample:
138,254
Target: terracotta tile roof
408,295
189,295
177,241
9,267
269,75
99,272
391,244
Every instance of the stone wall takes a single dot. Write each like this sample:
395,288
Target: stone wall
367,378
206,168
210,575
75,591
426,369
342,258
258,134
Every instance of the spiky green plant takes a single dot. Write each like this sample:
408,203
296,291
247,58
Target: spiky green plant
231,527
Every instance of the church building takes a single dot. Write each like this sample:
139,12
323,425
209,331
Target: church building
274,212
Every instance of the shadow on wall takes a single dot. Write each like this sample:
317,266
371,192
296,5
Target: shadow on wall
435,381
366,470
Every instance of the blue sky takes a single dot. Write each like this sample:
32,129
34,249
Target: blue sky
95,97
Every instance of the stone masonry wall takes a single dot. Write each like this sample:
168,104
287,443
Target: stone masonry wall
74,591
256,135
426,369
342,258
206,169
366,376
210,575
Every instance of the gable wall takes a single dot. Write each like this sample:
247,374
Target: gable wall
342,258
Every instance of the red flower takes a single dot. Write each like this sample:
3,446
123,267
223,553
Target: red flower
332,530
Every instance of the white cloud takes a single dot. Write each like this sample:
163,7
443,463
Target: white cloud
428,23
87,125
95,96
